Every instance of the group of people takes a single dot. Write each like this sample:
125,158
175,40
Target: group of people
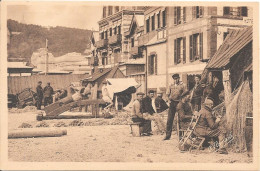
44,94
199,100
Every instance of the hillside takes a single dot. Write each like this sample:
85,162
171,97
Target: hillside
61,40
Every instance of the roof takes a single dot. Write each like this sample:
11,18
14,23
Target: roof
135,61
249,68
155,40
234,42
98,74
18,65
55,72
139,20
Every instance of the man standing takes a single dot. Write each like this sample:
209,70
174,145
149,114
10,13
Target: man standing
137,114
160,104
173,94
48,92
207,127
39,92
196,94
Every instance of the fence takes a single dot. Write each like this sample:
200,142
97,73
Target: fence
18,83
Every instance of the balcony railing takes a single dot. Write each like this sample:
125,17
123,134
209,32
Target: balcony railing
101,43
115,39
134,50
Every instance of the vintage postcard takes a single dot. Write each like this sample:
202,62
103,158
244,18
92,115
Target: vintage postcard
129,85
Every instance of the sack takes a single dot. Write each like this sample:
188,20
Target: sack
77,96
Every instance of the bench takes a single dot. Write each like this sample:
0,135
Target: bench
136,129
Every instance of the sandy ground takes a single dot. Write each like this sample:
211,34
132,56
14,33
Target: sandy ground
105,143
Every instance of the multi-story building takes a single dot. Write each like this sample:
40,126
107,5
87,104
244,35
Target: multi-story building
194,35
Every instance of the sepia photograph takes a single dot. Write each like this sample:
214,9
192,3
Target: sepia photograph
126,82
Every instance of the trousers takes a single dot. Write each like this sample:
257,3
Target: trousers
157,120
171,114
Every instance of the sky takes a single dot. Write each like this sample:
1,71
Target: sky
74,16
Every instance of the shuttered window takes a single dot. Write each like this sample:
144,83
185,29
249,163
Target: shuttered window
104,12
175,15
184,14
110,32
115,30
147,25
180,50
159,20
196,47
184,50
153,22
119,29
152,64
235,11
175,51
164,18
197,12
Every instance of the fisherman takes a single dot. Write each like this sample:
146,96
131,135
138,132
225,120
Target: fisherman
137,115
48,92
184,110
160,104
208,128
211,91
149,111
39,92
173,94
196,94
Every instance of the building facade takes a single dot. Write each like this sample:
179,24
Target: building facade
194,35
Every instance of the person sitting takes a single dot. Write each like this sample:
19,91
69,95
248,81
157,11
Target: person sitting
149,111
184,110
160,104
208,127
137,115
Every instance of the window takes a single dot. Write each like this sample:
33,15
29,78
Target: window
196,47
116,9
197,11
102,35
152,64
159,20
115,30
147,25
132,42
164,18
110,10
179,15
104,12
110,32
180,50
235,11
153,22
184,14
225,35
104,58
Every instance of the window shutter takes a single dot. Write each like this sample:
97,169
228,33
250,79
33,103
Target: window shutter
193,12
184,14
178,15
226,10
155,64
243,11
175,51
178,50
201,11
201,46
191,48
184,49
175,15
149,65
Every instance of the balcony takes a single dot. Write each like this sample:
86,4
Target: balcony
115,39
134,50
142,40
101,43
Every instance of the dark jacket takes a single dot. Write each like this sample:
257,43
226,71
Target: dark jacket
39,91
48,91
206,123
197,91
160,105
147,105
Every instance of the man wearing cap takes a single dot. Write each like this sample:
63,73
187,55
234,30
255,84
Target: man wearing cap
137,114
207,126
173,94
160,104
39,92
184,110
48,92
196,94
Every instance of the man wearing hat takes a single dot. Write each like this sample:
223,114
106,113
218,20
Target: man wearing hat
184,110
208,127
39,92
173,94
196,94
160,103
48,92
137,114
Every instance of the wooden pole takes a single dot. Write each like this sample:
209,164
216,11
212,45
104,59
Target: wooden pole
47,58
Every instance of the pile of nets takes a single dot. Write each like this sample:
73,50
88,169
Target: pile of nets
26,109
25,125
42,124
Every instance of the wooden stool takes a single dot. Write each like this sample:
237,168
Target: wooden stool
136,129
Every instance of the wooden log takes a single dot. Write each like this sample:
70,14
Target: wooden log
33,133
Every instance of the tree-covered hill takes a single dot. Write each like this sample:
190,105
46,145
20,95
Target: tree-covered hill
27,38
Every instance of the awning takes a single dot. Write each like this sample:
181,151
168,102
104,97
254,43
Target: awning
234,42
